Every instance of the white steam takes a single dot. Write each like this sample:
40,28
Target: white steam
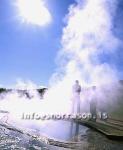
87,35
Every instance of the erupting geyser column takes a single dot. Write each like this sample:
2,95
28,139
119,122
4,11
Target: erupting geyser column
88,33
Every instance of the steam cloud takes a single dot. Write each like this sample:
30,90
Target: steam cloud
87,35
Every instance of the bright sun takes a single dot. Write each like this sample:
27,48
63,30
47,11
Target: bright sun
33,11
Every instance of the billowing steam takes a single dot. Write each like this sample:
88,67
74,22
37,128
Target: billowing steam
88,35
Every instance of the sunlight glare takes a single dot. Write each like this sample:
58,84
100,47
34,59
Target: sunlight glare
33,11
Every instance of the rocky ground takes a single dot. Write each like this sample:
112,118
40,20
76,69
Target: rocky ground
91,140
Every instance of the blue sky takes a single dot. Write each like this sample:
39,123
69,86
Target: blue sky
28,51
